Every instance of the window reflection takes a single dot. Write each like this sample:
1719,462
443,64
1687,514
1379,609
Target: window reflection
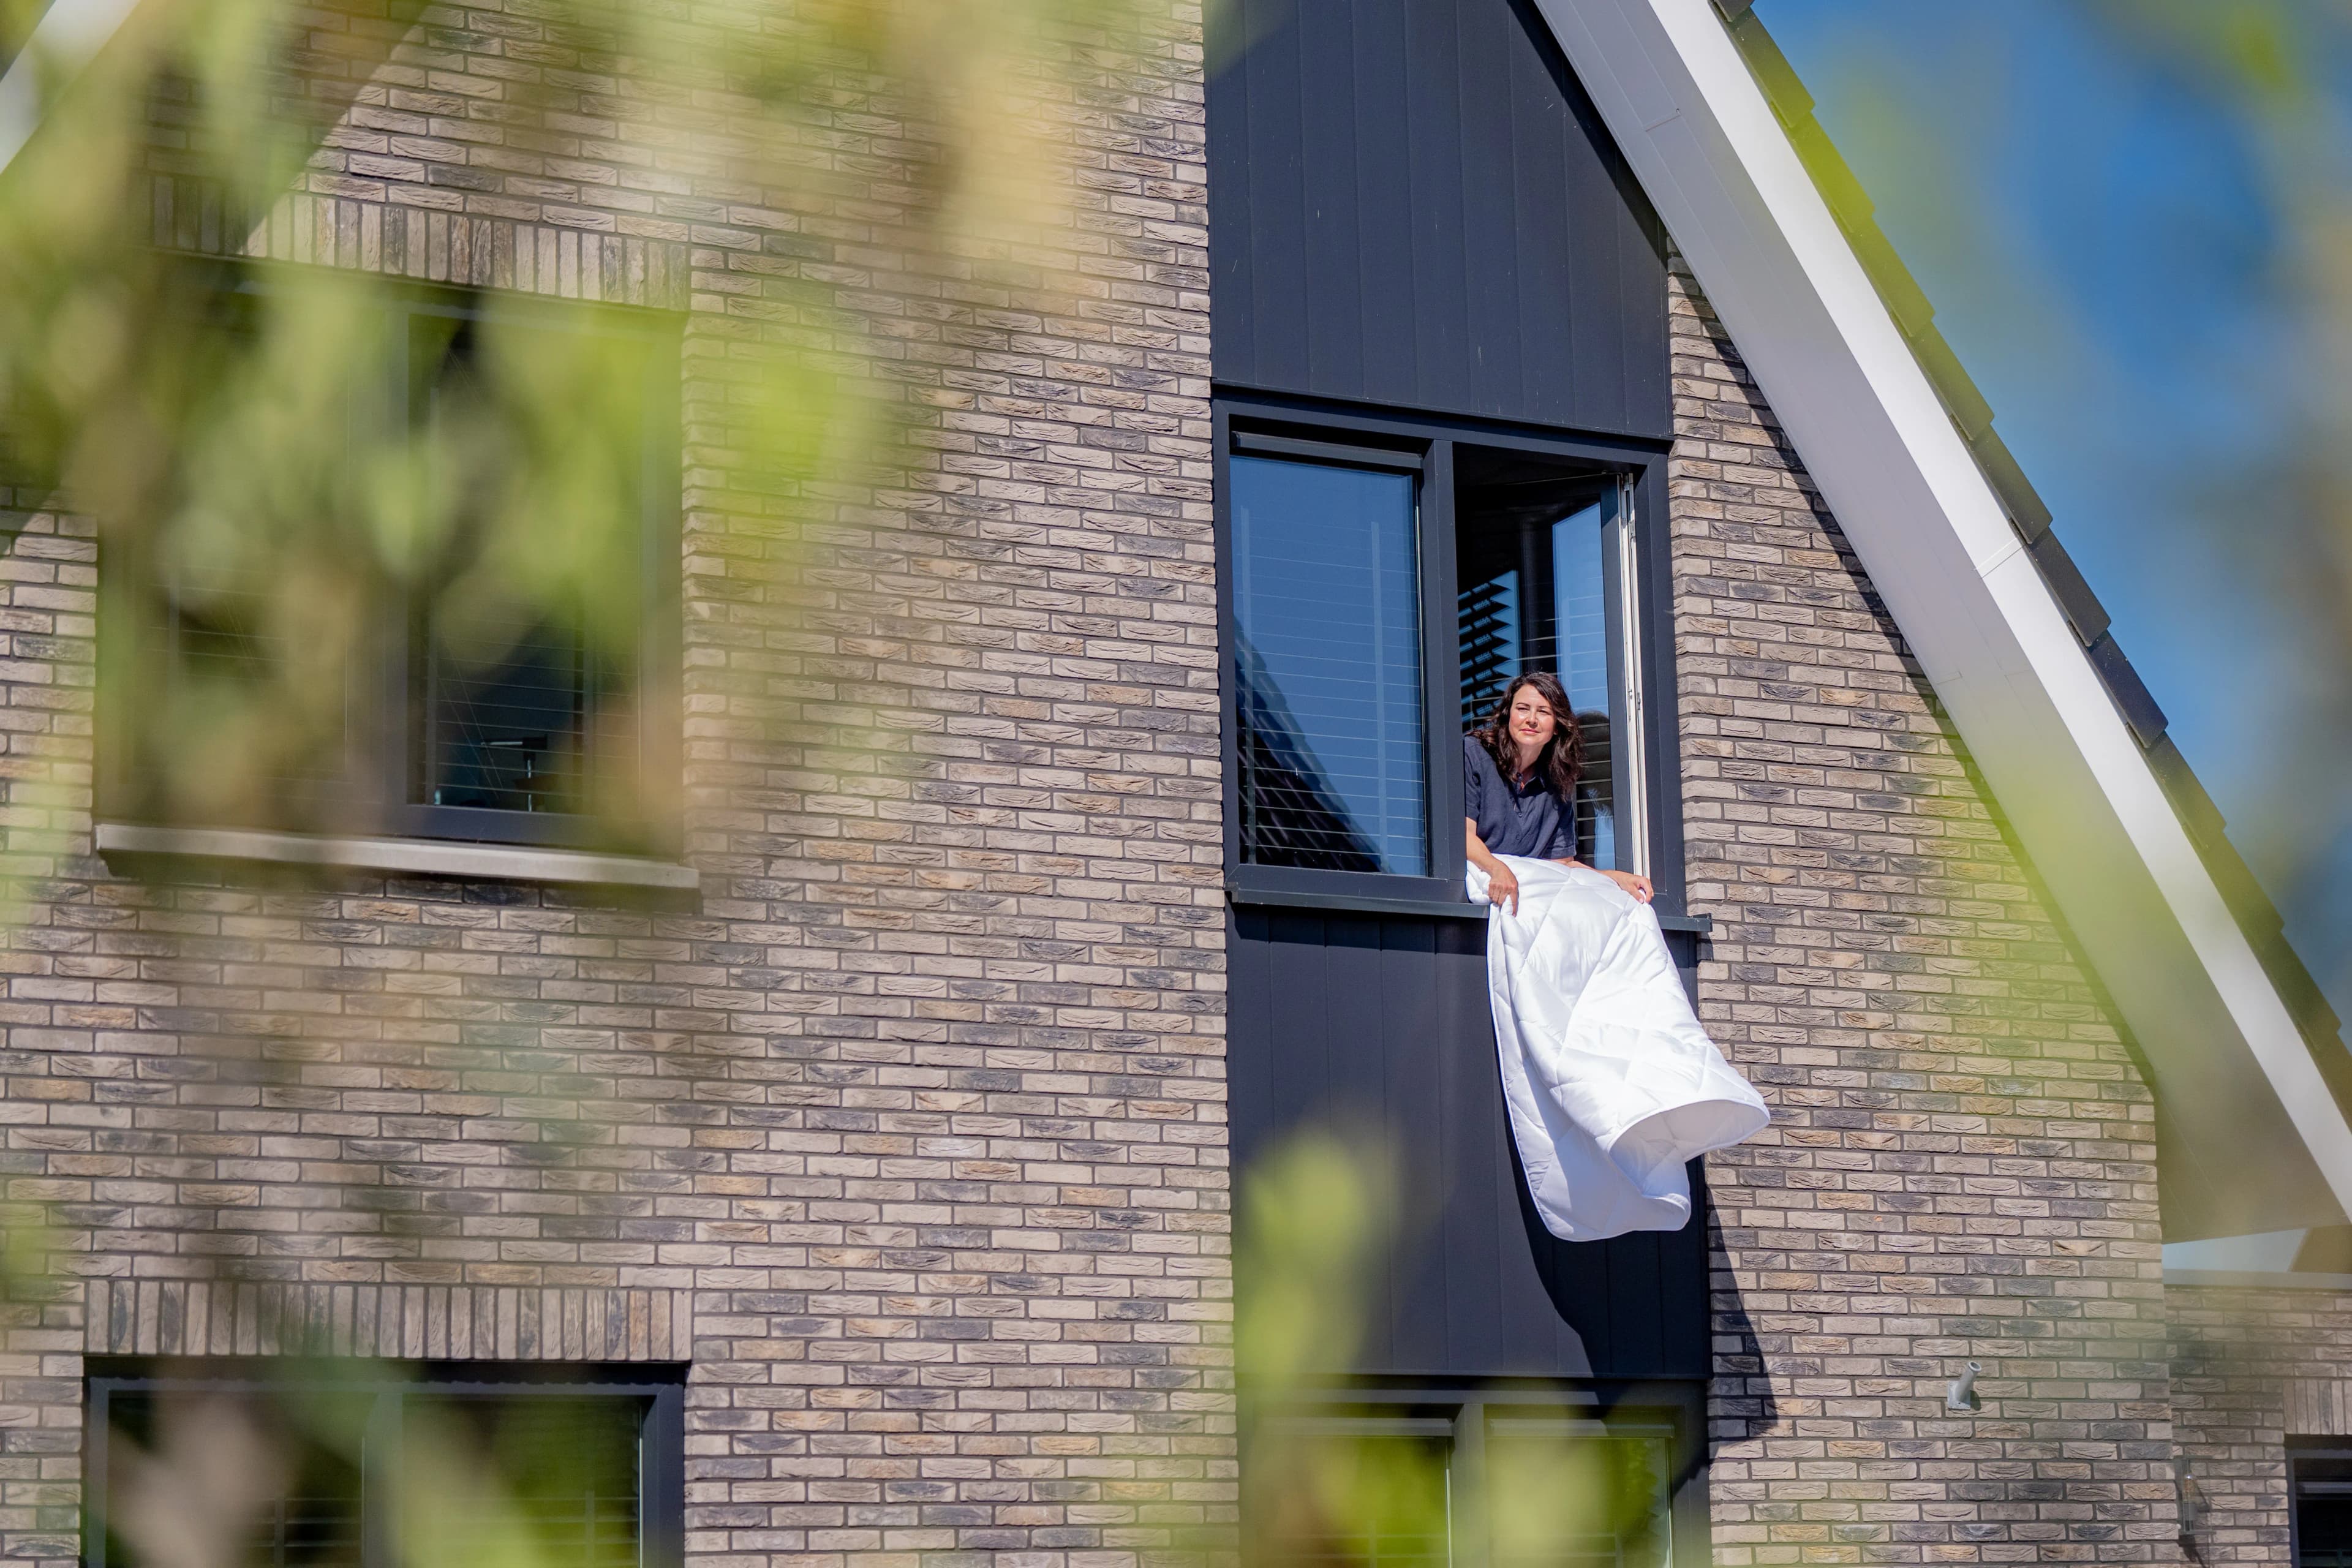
1328,668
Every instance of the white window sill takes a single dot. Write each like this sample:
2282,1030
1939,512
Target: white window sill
399,857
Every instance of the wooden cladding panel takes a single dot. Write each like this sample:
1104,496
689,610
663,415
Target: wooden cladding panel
1412,202
1351,1021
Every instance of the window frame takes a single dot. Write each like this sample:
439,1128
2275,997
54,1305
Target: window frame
1280,426
661,1480
1672,1409
388,749
2300,1450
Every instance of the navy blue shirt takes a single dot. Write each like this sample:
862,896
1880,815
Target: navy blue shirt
1527,820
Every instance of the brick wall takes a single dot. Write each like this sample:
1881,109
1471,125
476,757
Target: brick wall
2252,1367
1962,1162
912,1129
915,1122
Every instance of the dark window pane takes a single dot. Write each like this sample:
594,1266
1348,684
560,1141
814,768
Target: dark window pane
1536,565
245,706
483,1473
226,629
509,674
1356,1501
2323,1510
295,1501
508,699
1328,668
1561,1499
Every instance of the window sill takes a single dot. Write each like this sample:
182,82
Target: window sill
398,856
1428,909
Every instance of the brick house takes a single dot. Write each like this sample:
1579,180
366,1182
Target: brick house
846,1171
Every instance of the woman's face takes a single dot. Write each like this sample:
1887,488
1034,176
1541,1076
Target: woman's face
1532,723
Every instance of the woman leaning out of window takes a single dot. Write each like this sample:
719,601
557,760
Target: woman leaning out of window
1518,787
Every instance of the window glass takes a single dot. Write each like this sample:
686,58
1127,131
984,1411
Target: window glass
1566,1494
2323,1510
246,602
1364,1499
521,1480
365,1473
529,610
287,1496
1581,557
1538,1490
1537,565
432,618
1327,612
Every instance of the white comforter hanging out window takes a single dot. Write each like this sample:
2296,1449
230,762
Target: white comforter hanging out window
1611,1081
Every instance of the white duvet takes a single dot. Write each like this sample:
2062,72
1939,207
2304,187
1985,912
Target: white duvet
1611,1083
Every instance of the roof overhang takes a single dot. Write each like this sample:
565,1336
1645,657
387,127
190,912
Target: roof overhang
68,36
2255,1139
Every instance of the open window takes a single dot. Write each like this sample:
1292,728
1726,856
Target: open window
1384,581
1544,554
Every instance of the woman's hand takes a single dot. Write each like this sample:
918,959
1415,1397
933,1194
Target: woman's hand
1637,886
1500,883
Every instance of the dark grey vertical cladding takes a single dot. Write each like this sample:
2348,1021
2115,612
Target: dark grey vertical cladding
1361,1022
1412,202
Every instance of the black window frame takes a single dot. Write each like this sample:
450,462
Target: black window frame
1274,425
395,680
661,1500
2337,1452
1460,1411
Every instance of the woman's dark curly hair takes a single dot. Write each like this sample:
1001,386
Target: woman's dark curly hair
1561,762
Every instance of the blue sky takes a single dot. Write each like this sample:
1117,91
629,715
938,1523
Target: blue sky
2102,230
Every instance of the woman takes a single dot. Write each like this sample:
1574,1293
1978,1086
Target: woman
1611,1083
1518,787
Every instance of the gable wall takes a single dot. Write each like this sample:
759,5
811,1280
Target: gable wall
1962,1159
918,1122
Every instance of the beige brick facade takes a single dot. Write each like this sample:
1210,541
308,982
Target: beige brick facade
1962,1164
910,1127
910,1133
2254,1366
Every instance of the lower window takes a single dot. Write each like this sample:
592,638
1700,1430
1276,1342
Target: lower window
366,1466
2323,1506
1506,1484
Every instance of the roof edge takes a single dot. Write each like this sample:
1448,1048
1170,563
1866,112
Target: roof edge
1957,546
1972,415
68,36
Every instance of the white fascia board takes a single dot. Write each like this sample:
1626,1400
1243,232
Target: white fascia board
68,37
1930,529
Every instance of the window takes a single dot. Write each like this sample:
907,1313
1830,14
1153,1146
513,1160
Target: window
1509,1484
451,617
2323,1505
1544,550
1385,581
1327,667
468,1467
